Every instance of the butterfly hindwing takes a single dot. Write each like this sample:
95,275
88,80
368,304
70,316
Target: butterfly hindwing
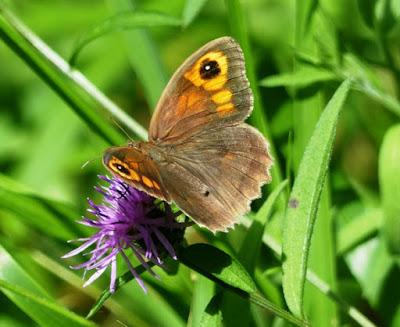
216,175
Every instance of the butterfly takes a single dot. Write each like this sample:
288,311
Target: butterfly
200,153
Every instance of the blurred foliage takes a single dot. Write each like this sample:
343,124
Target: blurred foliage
301,50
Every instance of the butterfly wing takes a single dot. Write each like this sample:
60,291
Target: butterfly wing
137,168
215,176
209,89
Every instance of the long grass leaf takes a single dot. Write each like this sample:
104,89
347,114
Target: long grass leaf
143,55
74,88
251,245
389,180
122,21
356,315
300,78
212,315
17,285
304,201
191,10
51,217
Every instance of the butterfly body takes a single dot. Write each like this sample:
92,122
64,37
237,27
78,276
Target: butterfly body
200,154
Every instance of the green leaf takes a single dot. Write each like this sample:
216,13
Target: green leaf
367,10
360,228
212,316
122,21
105,295
304,201
300,78
216,264
236,15
389,180
16,284
227,272
191,10
202,294
251,245
81,95
51,217
143,55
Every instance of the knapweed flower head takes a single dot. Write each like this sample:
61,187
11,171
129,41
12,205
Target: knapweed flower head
127,221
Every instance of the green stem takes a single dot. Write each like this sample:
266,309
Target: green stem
70,84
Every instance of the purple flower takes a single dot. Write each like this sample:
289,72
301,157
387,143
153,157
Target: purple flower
127,220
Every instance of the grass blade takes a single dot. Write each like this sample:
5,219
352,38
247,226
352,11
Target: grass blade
212,316
389,180
17,285
51,217
143,55
82,96
191,10
304,201
122,21
301,78
318,282
202,294
251,245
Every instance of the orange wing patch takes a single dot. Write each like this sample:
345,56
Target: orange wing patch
222,97
123,169
212,62
210,72
225,108
147,181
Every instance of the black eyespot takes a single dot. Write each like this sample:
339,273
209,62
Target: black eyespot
209,69
122,169
206,193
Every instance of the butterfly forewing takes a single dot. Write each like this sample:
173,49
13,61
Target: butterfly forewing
209,89
136,168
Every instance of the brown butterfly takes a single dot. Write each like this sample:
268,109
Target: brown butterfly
200,153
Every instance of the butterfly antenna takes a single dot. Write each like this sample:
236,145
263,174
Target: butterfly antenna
122,129
89,161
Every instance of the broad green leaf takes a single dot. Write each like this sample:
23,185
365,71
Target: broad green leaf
122,21
227,272
304,201
216,264
300,78
212,315
389,180
270,241
191,10
81,95
17,285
